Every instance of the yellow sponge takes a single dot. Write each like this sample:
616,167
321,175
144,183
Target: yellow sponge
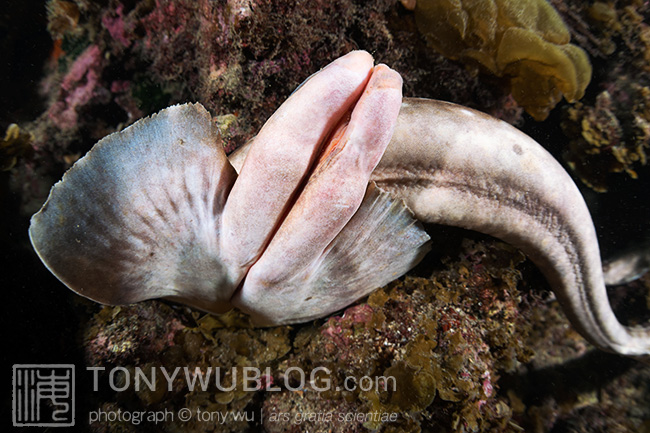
524,40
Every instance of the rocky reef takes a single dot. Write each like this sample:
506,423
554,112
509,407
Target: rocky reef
476,346
608,131
473,338
444,350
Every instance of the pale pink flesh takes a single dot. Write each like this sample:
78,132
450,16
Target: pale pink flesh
281,156
190,230
139,216
334,190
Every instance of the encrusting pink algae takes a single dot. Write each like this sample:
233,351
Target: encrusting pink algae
473,344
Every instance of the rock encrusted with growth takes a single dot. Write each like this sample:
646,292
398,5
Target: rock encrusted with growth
445,340
461,340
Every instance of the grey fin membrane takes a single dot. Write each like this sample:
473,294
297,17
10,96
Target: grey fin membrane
380,243
138,216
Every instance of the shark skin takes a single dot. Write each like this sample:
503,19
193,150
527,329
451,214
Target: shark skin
319,209
157,210
456,166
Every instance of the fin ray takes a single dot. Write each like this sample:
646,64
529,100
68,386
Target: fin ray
137,217
380,243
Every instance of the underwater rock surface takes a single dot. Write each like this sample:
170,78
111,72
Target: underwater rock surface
490,349
465,347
